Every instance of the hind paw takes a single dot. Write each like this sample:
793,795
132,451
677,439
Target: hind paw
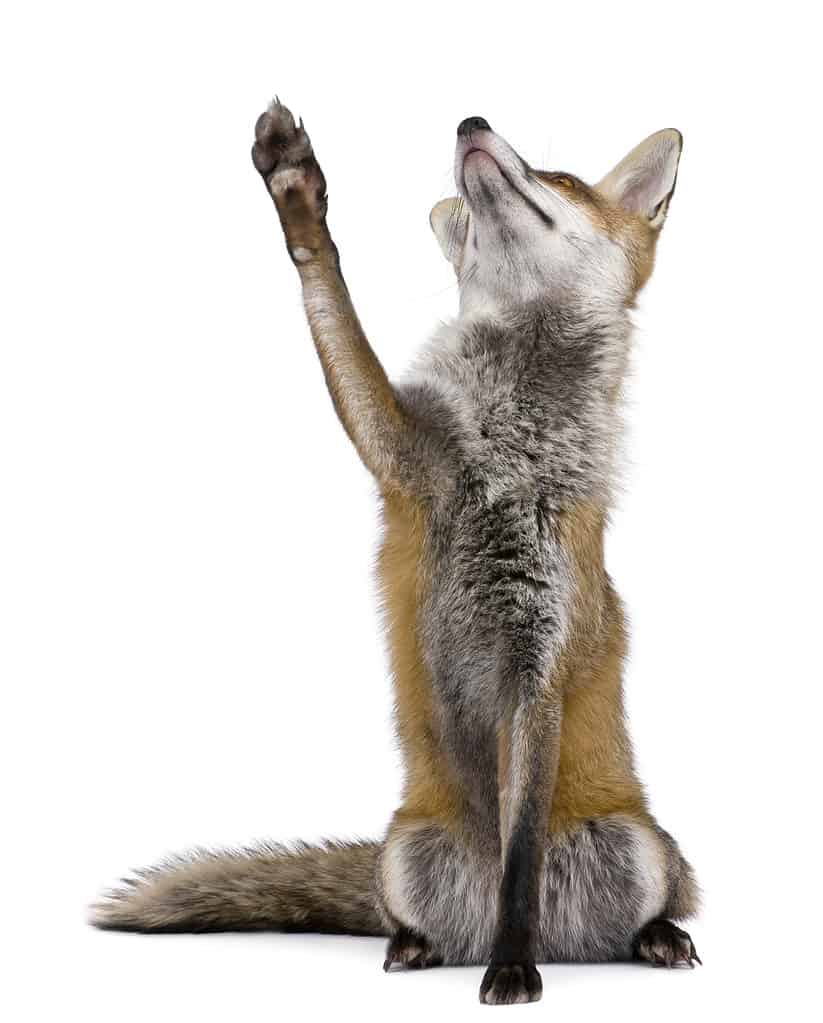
661,943
410,951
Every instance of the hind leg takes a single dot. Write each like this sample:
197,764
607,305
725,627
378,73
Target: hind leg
606,883
437,894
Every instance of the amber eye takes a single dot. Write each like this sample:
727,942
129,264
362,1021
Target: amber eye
563,181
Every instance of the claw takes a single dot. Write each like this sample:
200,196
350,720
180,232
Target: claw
661,943
410,951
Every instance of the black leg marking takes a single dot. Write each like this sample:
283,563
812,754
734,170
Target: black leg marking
512,976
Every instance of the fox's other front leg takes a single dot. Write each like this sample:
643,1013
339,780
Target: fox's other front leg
527,765
365,400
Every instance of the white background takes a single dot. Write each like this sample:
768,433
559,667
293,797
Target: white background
190,645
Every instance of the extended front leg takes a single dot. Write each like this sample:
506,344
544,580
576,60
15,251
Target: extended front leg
527,765
366,402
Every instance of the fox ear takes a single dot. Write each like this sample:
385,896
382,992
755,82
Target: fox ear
643,182
450,221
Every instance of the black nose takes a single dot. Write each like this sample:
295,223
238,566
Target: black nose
471,124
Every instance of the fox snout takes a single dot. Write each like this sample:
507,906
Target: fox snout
472,124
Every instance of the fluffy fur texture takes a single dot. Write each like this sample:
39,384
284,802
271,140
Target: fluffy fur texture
326,888
524,833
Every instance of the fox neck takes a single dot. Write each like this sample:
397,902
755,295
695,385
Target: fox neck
572,301
565,317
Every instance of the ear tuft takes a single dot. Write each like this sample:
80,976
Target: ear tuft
450,221
643,182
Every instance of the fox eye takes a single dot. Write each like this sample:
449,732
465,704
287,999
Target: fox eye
563,181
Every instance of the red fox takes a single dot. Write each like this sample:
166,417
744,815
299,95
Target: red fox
524,834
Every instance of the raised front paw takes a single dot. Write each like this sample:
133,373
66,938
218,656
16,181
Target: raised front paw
278,140
510,984
283,155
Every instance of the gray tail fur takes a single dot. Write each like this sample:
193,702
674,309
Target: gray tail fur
328,888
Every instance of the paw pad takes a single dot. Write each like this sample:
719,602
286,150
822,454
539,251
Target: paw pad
278,141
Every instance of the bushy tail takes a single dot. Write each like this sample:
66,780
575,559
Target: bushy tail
329,888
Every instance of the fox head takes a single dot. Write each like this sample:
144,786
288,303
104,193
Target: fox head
516,234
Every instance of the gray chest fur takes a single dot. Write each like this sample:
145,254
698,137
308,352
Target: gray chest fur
521,424
522,405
